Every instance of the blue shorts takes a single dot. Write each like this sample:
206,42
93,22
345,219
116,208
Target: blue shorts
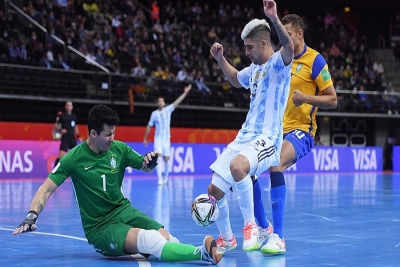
302,142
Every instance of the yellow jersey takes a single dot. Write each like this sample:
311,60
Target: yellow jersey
311,76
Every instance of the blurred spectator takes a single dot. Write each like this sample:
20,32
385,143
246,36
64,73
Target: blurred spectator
138,70
318,141
378,67
182,75
363,99
3,49
15,51
59,63
392,101
44,62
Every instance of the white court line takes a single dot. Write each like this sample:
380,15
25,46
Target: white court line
142,261
325,218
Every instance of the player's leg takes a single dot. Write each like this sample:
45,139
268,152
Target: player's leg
296,144
217,189
63,150
152,242
265,228
220,184
166,152
132,231
255,158
158,149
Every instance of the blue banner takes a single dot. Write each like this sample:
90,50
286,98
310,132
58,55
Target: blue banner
196,159
396,158
35,159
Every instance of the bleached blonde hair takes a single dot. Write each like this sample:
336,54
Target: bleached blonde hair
255,25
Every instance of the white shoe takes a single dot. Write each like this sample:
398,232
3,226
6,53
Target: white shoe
250,237
160,182
165,180
263,234
275,245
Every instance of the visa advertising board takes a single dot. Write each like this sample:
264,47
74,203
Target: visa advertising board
35,159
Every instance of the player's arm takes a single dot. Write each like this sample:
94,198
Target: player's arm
217,51
37,205
287,50
76,130
146,133
328,99
182,96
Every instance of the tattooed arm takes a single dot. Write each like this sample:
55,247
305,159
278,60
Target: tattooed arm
287,49
38,203
42,195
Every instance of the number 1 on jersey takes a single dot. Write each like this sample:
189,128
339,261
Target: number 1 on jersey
104,182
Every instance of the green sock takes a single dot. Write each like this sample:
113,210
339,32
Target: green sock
180,252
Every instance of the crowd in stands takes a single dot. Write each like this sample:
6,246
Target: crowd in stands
169,44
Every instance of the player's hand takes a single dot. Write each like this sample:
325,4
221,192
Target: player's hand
298,98
29,223
150,161
144,142
217,51
63,131
187,88
270,9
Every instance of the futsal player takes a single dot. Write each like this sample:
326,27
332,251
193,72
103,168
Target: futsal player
258,143
311,87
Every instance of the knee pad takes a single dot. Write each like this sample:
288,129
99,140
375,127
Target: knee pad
150,242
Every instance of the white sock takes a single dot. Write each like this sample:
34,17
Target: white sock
223,222
150,242
173,239
159,169
245,198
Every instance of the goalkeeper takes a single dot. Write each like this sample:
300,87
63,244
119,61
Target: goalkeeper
111,225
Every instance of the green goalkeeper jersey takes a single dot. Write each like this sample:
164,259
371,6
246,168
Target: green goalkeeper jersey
97,180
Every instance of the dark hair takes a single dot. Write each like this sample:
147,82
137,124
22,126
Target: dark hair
261,32
297,21
100,115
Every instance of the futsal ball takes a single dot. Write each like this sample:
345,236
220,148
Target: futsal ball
204,210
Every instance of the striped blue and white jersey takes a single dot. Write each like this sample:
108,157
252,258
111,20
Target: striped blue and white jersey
161,119
269,85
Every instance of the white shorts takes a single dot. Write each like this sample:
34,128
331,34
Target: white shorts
162,146
261,154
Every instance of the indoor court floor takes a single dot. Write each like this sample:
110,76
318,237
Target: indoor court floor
331,219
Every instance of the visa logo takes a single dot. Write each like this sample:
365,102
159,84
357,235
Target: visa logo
325,159
364,159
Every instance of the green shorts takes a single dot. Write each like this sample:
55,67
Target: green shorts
109,239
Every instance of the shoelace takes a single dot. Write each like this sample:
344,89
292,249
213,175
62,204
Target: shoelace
221,242
247,231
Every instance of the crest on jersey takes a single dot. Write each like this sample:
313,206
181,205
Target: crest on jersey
113,163
264,74
298,69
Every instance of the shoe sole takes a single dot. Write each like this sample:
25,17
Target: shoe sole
253,247
209,242
273,252
226,250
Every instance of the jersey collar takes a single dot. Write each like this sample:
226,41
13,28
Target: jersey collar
302,53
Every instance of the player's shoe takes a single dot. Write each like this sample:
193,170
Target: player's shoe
209,250
250,239
263,234
160,182
224,245
275,245
165,181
